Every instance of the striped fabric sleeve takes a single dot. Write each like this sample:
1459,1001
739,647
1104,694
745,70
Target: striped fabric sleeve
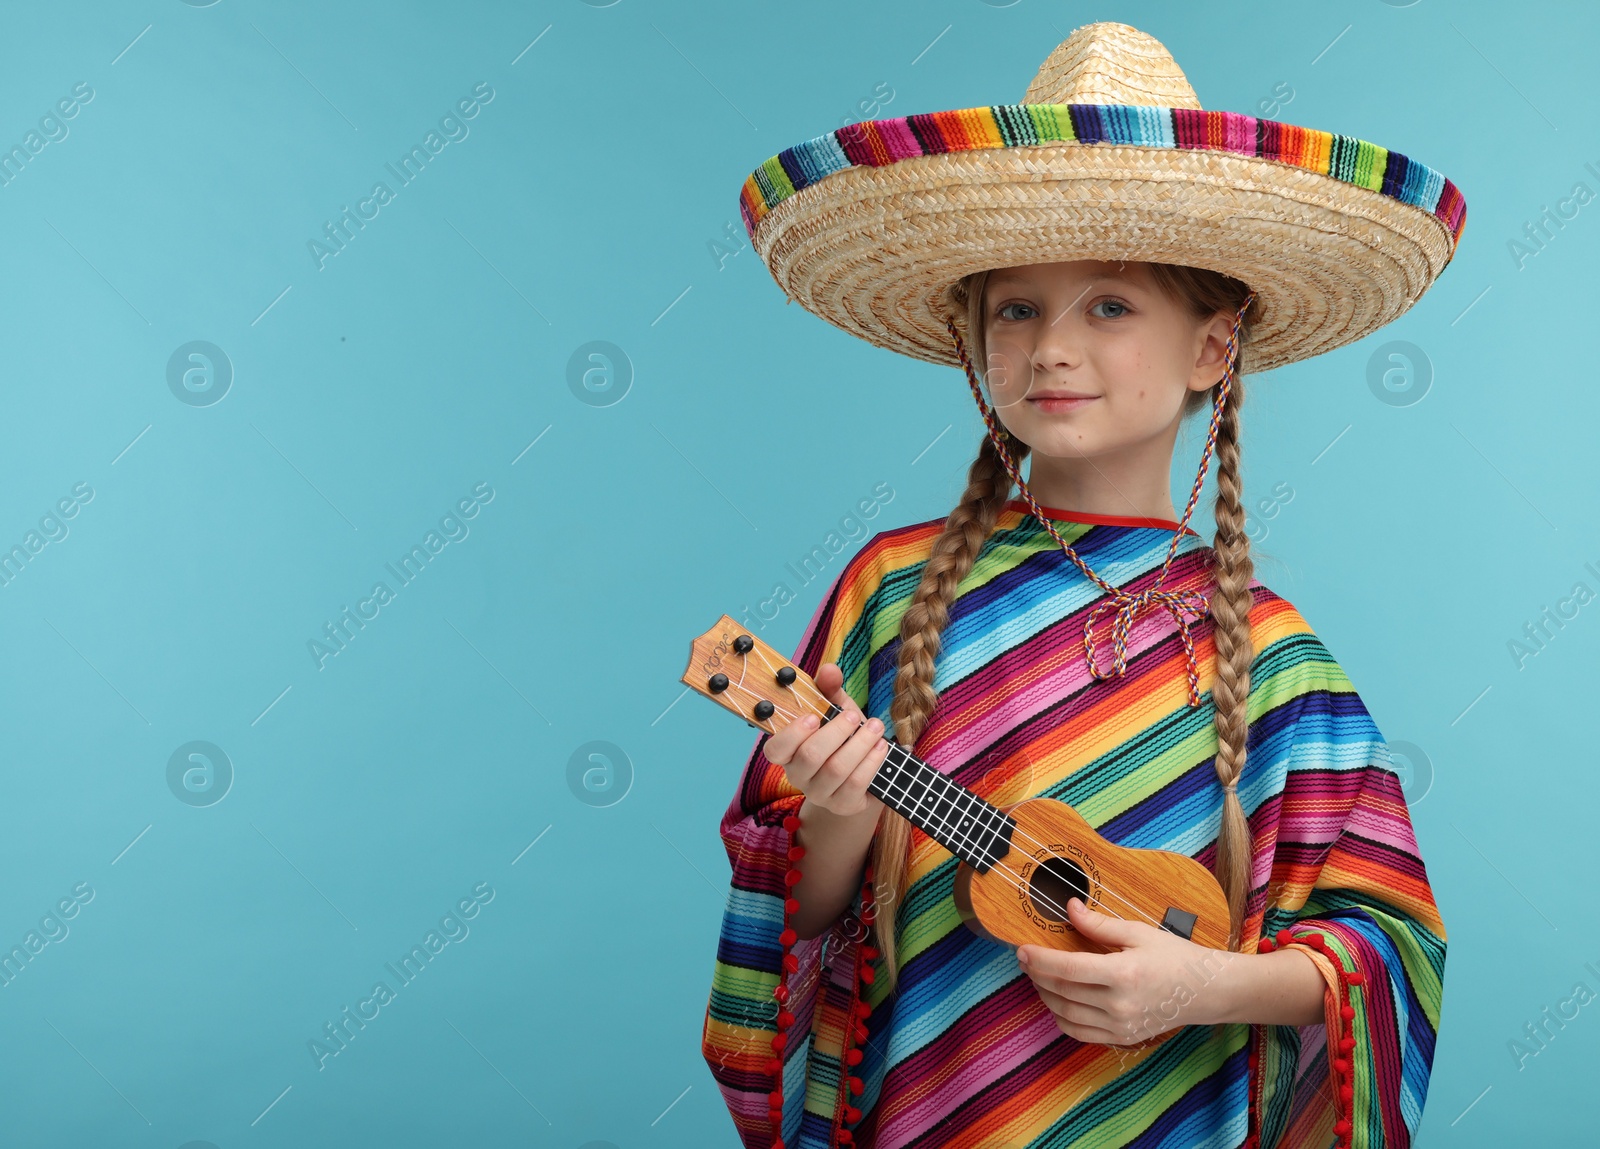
1347,882
740,1025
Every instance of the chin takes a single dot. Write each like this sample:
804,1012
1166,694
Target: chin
1062,441
1069,449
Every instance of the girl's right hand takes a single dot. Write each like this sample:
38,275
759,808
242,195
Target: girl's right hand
831,765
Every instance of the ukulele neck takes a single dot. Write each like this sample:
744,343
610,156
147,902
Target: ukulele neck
739,672
976,831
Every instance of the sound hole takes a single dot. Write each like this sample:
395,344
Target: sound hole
1054,884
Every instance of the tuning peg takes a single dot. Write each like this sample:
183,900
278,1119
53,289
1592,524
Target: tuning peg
764,710
744,644
786,676
718,683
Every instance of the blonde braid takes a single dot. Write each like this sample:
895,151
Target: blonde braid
954,551
1230,690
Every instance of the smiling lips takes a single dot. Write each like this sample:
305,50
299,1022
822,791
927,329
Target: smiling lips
1057,402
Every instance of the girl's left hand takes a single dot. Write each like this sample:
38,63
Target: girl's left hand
1153,980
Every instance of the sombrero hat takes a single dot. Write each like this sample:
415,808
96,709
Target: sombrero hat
1109,156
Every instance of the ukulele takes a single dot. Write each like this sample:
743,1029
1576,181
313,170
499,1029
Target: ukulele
1018,866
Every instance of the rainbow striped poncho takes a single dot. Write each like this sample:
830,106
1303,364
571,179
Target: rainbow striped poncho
963,1054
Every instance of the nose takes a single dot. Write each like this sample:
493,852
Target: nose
1058,347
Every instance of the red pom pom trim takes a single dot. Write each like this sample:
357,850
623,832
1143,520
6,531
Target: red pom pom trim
844,1112
1342,1042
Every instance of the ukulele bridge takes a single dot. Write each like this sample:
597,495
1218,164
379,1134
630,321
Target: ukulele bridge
1180,922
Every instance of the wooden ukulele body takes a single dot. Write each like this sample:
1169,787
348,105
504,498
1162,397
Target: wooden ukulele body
1055,854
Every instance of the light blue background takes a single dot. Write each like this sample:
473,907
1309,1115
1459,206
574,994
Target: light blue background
369,396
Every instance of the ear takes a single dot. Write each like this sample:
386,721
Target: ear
1211,352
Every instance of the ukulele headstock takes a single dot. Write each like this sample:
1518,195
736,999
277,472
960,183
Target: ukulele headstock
739,672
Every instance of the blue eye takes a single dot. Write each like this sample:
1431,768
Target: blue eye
1002,312
1111,303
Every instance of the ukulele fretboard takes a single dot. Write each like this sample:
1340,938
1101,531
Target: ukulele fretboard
976,831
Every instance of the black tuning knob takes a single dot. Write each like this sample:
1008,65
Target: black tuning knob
718,683
786,676
744,644
764,710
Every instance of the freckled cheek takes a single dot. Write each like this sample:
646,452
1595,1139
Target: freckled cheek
1010,375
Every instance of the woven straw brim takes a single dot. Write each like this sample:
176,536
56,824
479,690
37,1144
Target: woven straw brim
874,250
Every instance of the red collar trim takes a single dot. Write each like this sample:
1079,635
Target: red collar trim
1097,520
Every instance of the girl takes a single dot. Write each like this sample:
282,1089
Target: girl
1080,642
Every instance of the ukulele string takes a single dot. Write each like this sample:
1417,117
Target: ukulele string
962,839
799,680
965,840
1045,899
739,685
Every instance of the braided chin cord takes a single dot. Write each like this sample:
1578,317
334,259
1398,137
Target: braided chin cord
1185,606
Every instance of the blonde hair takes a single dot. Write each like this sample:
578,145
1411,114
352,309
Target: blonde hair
968,527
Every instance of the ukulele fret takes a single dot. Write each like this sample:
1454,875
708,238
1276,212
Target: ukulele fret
996,834
944,804
974,830
973,822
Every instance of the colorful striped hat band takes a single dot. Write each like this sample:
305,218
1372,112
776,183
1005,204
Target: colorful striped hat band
1128,605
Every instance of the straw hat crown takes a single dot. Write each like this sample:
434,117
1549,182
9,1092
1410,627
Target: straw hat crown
1108,63
1109,156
